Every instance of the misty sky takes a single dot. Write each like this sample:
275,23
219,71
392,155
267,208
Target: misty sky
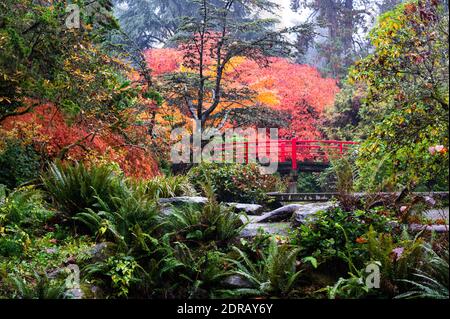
287,17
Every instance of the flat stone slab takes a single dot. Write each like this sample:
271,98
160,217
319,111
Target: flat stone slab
303,197
295,212
251,230
324,197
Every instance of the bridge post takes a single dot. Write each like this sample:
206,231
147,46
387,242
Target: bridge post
294,154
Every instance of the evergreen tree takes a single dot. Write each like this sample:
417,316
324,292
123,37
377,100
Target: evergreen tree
341,26
151,23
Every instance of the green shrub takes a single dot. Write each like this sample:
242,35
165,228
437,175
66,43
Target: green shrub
398,258
235,182
193,273
23,207
40,288
323,236
77,187
345,175
127,219
13,241
128,224
432,280
120,273
309,182
353,287
41,255
18,164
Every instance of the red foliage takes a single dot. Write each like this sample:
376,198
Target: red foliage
46,128
298,89
301,91
163,61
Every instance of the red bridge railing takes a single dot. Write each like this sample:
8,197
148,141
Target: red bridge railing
283,150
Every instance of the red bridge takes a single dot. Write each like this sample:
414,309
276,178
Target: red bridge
292,155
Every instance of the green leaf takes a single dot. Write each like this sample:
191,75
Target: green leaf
312,260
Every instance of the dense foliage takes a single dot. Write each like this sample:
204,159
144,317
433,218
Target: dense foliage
133,247
62,93
85,211
281,94
236,182
155,22
407,96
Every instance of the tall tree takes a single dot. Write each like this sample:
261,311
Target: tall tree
152,23
211,39
346,23
405,97
286,95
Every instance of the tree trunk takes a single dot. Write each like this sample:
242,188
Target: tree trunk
347,33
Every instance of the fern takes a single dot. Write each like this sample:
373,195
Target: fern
431,282
212,222
395,267
275,273
126,220
43,288
23,206
196,270
76,187
169,186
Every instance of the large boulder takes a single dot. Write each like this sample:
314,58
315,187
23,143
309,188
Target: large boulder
281,214
437,214
305,213
249,209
